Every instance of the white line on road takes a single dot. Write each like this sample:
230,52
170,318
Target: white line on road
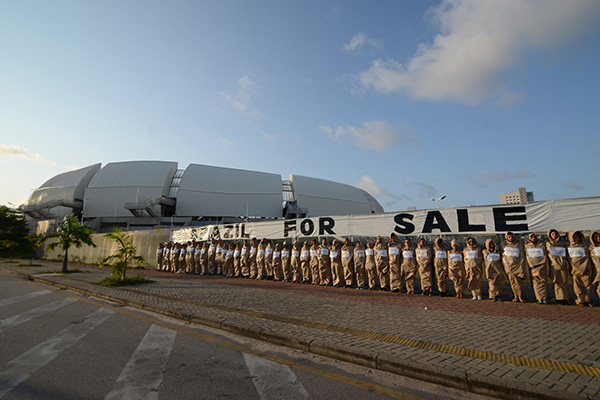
25,365
36,312
12,300
143,374
273,380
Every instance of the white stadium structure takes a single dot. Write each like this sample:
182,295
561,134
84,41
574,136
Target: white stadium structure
148,194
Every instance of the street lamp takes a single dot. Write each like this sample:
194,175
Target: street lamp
437,201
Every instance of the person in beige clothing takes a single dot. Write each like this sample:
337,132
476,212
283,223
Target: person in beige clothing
359,265
456,268
260,259
237,258
212,266
595,255
370,266
395,259
314,263
295,262
408,268
324,263
244,260
305,263
581,266
473,267
538,262
382,263
424,260
335,258
276,264
286,265
557,255
493,269
440,263
348,262
514,265
159,256
252,266
269,259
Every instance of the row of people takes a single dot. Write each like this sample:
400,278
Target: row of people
393,265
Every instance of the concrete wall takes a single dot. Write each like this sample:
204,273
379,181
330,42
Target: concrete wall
146,242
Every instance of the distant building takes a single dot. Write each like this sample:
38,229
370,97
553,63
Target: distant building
520,197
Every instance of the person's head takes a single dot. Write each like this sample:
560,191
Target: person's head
577,236
596,238
347,242
370,245
422,242
407,242
324,242
554,234
533,238
510,237
393,237
277,246
454,245
492,245
379,239
471,241
314,241
358,244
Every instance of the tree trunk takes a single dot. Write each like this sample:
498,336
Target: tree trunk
65,261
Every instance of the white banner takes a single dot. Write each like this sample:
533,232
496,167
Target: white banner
562,215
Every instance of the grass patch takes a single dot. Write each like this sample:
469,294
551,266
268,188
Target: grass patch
128,280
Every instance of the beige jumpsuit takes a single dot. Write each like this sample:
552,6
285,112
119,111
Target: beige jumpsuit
581,265
408,269
538,262
359,265
440,263
474,269
295,263
493,269
260,260
456,270
370,266
395,253
513,260
269,260
337,271
594,250
237,270
159,257
212,266
348,264
382,263
252,266
324,265
276,264
557,255
305,263
314,264
244,257
286,264
424,260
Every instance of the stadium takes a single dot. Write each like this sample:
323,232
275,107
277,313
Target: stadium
149,194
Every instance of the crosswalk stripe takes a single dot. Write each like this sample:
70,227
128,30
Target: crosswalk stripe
273,380
28,315
143,374
16,299
22,367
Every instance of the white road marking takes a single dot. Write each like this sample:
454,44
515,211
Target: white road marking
12,300
36,312
17,370
143,374
273,380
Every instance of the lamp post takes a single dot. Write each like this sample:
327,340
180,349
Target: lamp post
437,201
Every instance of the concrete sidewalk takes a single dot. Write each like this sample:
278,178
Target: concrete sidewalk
499,349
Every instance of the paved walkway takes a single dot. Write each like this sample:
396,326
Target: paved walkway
502,349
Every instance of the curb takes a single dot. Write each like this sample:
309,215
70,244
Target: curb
458,379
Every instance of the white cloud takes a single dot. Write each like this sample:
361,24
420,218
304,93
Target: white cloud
478,42
572,186
226,142
425,190
373,135
242,100
270,137
359,41
505,176
16,151
367,183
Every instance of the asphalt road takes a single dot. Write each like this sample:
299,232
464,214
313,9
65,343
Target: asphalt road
59,345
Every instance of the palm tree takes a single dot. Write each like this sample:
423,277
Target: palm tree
124,257
70,233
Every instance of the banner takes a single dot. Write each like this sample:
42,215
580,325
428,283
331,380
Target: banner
570,214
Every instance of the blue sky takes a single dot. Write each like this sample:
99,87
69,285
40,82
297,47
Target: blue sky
410,100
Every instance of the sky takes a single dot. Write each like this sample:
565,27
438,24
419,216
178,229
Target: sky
409,100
